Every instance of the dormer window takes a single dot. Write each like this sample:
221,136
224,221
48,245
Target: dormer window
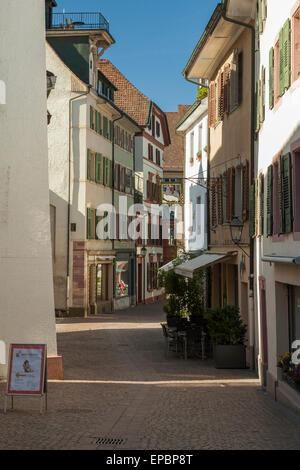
105,89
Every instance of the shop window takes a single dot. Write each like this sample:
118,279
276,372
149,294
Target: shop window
294,313
122,279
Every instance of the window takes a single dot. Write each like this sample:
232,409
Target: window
91,223
261,15
192,146
150,152
296,45
199,139
92,123
122,279
282,62
269,201
238,199
157,129
105,127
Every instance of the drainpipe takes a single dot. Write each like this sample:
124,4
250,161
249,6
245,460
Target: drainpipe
69,193
251,279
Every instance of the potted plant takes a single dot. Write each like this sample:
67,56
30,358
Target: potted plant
192,161
199,156
205,149
227,331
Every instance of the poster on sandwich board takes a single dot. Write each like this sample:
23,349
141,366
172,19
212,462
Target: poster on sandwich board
26,369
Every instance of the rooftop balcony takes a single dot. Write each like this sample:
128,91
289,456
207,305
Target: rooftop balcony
77,22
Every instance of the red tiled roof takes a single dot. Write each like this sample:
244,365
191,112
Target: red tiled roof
174,155
127,97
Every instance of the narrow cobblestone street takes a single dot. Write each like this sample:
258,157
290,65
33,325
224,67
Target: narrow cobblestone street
120,386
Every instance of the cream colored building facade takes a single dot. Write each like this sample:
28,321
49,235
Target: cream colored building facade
26,283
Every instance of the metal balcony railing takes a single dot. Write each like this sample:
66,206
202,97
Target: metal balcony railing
78,21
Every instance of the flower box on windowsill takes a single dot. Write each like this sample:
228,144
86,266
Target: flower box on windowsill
199,156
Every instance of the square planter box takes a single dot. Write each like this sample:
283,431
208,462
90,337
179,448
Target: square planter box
230,357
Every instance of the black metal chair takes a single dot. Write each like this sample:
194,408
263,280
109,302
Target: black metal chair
171,339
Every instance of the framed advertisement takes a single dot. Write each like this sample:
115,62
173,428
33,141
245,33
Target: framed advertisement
27,375
171,193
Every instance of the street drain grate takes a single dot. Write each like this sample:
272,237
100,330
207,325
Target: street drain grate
109,441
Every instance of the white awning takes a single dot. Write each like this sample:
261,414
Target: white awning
188,268
175,262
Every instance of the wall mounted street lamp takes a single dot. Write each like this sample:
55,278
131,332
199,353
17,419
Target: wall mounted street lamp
236,230
143,255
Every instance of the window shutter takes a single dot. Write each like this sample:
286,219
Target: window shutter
97,220
89,223
270,201
105,127
91,117
98,167
220,200
227,88
287,193
105,228
287,54
230,194
210,107
213,105
261,205
89,158
213,205
281,62
106,171
252,211
240,77
245,189
99,123
111,130
271,78
280,195
221,97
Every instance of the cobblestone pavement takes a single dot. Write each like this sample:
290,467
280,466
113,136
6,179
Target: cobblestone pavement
121,392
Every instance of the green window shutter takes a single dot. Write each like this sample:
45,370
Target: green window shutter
262,206
111,175
287,193
270,201
281,63
106,171
287,54
89,158
91,117
252,211
96,121
271,78
99,123
98,167
111,130
89,223
105,228
263,94
105,127
281,196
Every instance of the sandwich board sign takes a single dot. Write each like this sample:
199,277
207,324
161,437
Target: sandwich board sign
27,374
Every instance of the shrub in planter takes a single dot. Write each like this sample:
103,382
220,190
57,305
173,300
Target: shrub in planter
227,332
290,371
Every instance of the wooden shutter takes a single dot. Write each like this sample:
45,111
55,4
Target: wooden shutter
230,194
122,179
220,199
270,201
252,211
271,78
240,66
227,88
261,204
287,54
212,118
213,205
89,159
281,63
287,193
280,195
98,167
117,177
221,96
91,117
89,223
245,190
105,127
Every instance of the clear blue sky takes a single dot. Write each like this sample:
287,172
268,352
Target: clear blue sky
154,40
